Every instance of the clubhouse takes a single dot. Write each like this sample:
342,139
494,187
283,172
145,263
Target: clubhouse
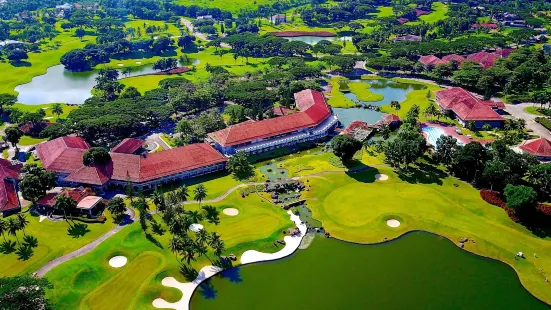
9,200
143,171
313,121
465,107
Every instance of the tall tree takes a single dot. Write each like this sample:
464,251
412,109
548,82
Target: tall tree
200,193
66,204
345,146
13,135
240,167
12,296
36,181
57,109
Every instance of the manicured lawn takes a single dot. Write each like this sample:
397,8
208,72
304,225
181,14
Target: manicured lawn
144,23
337,99
385,11
53,241
534,110
439,12
39,62
361,90
48,108
418,97
356,207
89,282
28,140
216,184
233,6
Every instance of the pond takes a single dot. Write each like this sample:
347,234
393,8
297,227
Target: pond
60,85
313,40
391,90
418,271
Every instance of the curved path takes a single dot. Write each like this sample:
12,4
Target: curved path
89,247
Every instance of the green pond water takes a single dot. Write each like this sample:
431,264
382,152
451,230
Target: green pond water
391,90
418,271
313,40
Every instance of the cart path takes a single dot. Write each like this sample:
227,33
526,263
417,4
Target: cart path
89,247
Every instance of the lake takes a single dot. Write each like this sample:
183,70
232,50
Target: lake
391,90
60,85
313,40
418,271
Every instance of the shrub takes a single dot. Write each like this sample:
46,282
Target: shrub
544,122
493,198
545,209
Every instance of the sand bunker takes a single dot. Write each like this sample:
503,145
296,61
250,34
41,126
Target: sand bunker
195,227
230,211
117,261
393,223
381,177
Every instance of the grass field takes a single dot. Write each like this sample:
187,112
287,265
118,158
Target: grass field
144,23
418,97
337,99
385,11
47,107
88,282
234,6
361,90
439,12
53,241
534,110
356,207
38,63
28,140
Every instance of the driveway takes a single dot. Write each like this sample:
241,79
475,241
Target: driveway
517,111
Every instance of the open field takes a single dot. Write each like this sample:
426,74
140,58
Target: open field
418,97
233,6
356,207
361,90
439,12
54,241
46,107
89,282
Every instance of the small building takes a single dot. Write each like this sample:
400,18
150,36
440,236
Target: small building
390,120
485,59
465,107
278,19
409,37
489,26
5,43
420,12
64,7
90,205
430,61
402,20
453,57
547,49
10,176
205,17
541,148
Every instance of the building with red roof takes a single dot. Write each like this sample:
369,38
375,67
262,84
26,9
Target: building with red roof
541,148
313,121
431,61
9,200
465,107
128,146
485,59
420,12
280,111
402,20
453,57
409,37
484,25
64,156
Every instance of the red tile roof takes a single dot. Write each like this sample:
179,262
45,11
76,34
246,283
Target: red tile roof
538,147
420,12
282,111
8,194
354,125
485,59
390,118
431,60
453,57
123,166
128,146
485,25
76,194
63,154
465,105
313,111
503,52
402,20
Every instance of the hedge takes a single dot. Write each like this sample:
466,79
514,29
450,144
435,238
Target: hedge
544,122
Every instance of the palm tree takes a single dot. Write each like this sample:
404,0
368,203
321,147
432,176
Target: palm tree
3,228
159,199
201,250
183,193
200,193
194,216
13,228
218,247
22,222
188,253
211,214
202,236
30,241
175,244
126,71
142,206
384,130
57,109
65,204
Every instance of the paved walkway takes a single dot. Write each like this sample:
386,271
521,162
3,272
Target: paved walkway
89,247
517,111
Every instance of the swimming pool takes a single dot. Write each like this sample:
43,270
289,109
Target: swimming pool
433,133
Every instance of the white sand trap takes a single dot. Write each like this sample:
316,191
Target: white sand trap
195,227
138,62
120,65
381,177
393,223
42,217
117,261
231,211
292,244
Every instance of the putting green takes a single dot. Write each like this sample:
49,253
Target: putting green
355,208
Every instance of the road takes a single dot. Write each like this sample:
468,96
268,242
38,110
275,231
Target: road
517,111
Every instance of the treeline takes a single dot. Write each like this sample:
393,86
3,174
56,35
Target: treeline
341,12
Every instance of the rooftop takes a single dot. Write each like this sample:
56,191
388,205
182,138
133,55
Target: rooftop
313,111
431,60
8,194
89,202
128,146
538,147
466,105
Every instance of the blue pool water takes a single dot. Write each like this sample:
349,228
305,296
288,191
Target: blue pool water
433,133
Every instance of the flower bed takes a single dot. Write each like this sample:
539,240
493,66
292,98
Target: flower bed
303,33
493,197
545,209
174,71
544,122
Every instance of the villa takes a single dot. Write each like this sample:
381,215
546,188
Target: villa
87,203
541,148
9,200
485,59
278,19
313,121
465,107
143,171
409,38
